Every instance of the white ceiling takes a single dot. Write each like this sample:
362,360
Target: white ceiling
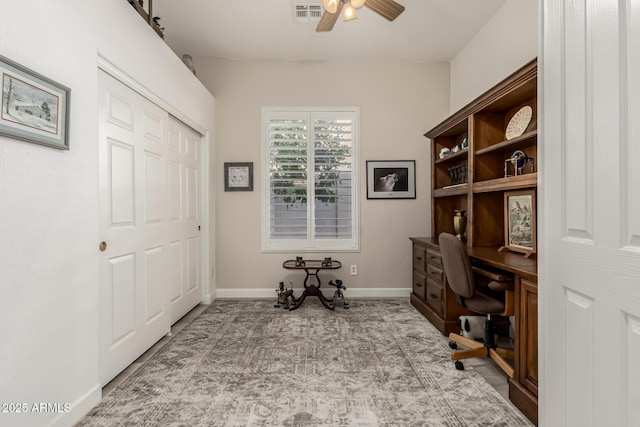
428,30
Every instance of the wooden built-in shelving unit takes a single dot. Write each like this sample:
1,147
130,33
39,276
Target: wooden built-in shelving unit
483,123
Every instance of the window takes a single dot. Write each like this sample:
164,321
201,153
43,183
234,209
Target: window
310,184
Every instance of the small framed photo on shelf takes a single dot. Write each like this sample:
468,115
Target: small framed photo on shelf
394,179
520,221
238,176
33,108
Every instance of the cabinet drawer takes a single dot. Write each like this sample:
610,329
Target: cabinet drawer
434,296
419,258
419,285
435,272
434,257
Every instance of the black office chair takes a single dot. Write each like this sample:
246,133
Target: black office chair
461,280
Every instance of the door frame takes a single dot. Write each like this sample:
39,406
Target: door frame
206,139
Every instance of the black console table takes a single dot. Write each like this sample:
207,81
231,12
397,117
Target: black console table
312,268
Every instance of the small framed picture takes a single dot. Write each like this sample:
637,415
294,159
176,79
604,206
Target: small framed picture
238,176
391,179
33,107
520,221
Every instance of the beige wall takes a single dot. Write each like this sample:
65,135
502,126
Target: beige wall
398,102
505,43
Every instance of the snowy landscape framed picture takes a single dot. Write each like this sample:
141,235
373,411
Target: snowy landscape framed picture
33,107
238,176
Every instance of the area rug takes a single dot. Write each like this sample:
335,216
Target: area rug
247,363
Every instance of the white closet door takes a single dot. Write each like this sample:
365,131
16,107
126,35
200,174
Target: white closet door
184,219
134,224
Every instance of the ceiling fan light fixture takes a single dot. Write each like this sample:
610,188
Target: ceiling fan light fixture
357,3
349,12
330,6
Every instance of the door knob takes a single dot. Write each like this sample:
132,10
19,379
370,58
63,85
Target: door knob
103,246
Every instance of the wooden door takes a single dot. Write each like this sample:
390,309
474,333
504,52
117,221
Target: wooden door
133,271
589,285
185,290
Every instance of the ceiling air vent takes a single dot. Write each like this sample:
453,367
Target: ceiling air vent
304,12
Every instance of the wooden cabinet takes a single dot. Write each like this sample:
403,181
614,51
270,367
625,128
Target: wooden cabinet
431,296
523,390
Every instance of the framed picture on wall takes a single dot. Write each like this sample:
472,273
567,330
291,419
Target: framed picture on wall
238,176
391,179
520,221
33,107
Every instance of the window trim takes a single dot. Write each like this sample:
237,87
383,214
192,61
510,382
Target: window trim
327,245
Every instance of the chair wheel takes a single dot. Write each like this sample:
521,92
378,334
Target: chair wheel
453,345
459,365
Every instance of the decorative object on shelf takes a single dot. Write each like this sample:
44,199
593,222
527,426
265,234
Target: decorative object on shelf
444,152
147,15
458,174
460,223
188,61
518,160
326,262
520,221
462,146
33,108
159,29
338,296
519,122
299,262
391,179
238,176
285,297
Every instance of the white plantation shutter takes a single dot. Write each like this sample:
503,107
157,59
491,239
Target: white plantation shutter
310,198
333,142
288,170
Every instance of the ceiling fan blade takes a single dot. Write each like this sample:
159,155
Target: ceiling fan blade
328,20
387,8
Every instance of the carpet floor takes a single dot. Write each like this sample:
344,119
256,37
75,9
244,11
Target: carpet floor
246,363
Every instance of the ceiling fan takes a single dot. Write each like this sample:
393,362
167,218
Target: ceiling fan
332,8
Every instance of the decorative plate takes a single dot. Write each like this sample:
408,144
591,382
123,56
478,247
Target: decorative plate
519,122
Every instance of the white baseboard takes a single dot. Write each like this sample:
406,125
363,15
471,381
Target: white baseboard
328,292
208,299
79,408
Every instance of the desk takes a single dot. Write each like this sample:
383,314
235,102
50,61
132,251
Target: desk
312,268
512,262
433,298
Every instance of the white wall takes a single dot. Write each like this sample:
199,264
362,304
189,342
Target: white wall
505,43
398,101
49,198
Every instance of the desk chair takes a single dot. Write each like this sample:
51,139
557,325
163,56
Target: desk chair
461,280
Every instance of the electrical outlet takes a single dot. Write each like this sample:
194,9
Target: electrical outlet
354,270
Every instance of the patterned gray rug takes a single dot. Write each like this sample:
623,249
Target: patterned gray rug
246,363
